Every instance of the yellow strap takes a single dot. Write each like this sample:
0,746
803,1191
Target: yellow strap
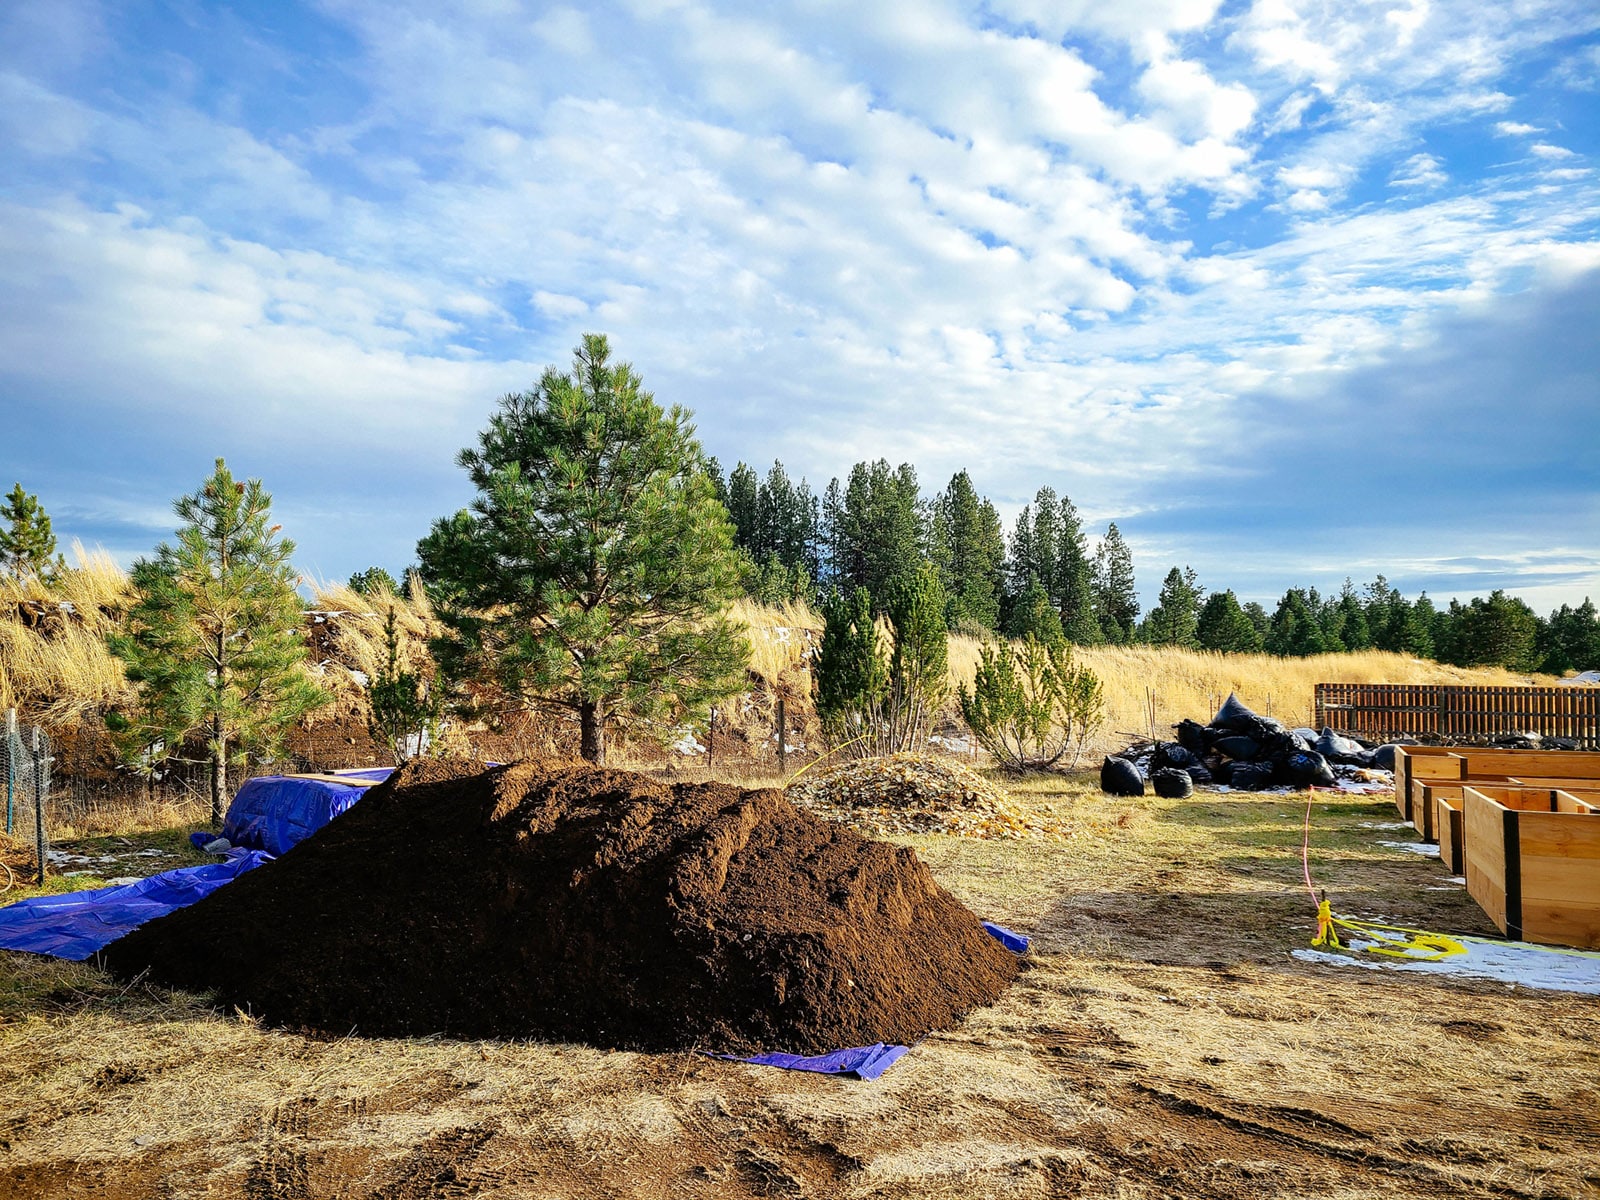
1327,935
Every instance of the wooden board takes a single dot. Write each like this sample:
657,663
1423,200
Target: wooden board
1451,830
1422,762
1484,839
1522,763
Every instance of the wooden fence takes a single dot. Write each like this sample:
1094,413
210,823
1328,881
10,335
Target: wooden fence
1381,710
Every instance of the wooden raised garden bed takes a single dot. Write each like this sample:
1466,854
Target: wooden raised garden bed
1532,859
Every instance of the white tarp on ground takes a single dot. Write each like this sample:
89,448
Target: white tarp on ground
1521,963
1581,679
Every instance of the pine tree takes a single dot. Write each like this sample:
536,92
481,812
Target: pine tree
852,673
406,706
27,547
968,551
592,573
214,638
1499,631
743,505
1172,621
1296,632
882,527
1034,616
1225,627
374,581
1028,706
1115,600
1075,580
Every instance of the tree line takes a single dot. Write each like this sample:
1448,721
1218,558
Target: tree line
877,530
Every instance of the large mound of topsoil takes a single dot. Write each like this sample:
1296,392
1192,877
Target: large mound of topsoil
550,899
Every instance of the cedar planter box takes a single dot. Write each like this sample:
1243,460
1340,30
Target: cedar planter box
1448,826
1412,763
1532,858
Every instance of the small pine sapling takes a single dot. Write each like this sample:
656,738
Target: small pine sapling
1030,706
406,706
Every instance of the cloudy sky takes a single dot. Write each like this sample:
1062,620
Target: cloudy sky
1289,289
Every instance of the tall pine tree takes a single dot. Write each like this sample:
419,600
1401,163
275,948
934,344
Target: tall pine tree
1116,602
593,570
214,640
1074,576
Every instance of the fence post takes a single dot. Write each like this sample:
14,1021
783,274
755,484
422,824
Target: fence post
12,747
783,741
711,739
41,787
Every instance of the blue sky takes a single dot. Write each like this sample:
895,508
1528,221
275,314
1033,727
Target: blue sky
1290,290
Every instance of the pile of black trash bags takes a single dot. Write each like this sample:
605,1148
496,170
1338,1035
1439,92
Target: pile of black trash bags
1243,750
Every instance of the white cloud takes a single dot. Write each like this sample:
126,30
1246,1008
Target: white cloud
1420,172
1515,128
1550,150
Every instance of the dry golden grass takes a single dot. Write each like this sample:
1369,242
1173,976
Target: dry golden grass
357,625
1184,683
61,669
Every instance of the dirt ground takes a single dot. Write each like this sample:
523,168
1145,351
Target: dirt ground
1160,1042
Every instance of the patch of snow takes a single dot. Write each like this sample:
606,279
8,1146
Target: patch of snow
686,744
1543,967
1384,825
122,880
956,745
360,677
1426,849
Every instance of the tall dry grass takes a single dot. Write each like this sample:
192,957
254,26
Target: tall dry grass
1180,683
58,669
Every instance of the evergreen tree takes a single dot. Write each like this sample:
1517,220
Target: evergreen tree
406,705
719,485
918,663
1028,706
1074,580
214,639
1115,600
27,547
1571,640
1034,616
1258,618
374,580
1500,631
852,674
593,570
882,531
1173,621
1350,621
831,536
968,551
1224,626
743,505
1412,625
1296,632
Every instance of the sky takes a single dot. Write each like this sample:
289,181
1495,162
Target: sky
1290,290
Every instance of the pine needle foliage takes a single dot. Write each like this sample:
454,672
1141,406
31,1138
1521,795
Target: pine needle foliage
1030,704
213,640
405,705
27,546
594,569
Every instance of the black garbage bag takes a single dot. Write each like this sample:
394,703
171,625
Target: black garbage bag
1119,777
1238,747
1383,757
1171,754
1194,737
1336,748
1297,741
1306,734
1171,783
1307,768
1220,768
1250,776
1199,774
1234,715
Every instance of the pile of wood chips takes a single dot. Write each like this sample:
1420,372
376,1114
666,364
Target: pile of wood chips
919,793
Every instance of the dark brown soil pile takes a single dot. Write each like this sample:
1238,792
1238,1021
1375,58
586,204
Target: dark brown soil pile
550,899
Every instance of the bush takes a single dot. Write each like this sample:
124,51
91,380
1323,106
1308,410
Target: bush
1030,705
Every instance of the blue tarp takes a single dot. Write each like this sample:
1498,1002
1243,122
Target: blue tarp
76,925
274,812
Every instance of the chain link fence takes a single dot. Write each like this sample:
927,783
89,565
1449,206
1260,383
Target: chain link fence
25,776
